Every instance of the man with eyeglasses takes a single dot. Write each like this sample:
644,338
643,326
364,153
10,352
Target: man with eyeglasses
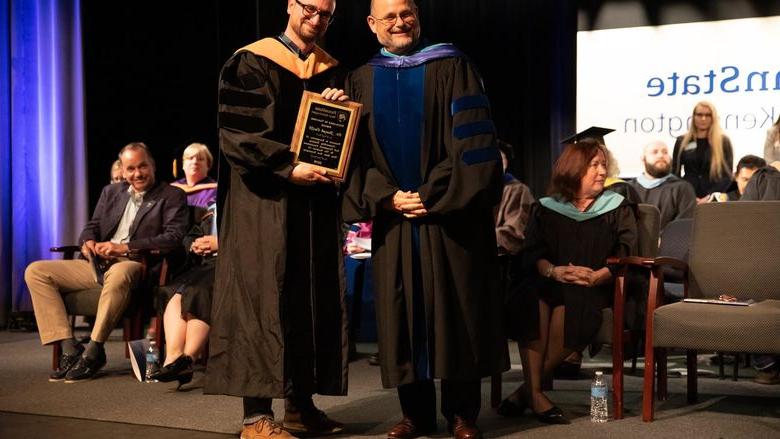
427,171
278,326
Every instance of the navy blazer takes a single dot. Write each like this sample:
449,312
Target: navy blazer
161,222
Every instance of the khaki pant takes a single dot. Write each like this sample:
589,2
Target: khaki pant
48,281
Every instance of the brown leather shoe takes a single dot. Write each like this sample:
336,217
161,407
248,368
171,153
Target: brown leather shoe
311,422
265,428
463,429
407,429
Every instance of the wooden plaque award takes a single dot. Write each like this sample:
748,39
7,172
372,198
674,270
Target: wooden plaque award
325,132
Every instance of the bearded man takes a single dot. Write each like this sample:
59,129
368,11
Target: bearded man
673,196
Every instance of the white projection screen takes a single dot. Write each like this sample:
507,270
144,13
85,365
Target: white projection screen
645,81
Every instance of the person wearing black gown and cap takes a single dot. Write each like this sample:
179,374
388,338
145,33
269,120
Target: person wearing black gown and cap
570,234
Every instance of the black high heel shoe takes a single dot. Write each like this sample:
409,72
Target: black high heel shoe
552,416
512,408
180,370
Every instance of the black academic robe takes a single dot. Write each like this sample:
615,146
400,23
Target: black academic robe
561,240
763,185
279,279
674,198
448,257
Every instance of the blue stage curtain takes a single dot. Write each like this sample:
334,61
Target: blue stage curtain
42,154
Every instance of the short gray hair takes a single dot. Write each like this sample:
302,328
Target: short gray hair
137,146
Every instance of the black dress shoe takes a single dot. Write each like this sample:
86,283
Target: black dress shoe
66,363
552,416
180,370
510,408
86,368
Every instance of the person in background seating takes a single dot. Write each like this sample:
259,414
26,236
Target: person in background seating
187,311
116,172
673,196
746,167
569,237
137,214
200,188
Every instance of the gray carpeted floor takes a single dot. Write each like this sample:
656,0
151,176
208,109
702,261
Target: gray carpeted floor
116,405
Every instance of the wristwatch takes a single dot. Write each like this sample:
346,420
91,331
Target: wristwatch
549,271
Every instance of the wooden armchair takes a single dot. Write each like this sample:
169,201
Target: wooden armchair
614,330
85,302
733,251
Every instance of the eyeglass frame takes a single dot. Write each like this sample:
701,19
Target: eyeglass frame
311,11
387,23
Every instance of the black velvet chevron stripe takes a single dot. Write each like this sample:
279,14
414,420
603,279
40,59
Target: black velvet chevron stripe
249,124
239,98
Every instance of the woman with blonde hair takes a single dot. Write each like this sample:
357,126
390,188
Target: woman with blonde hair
200,188
704,153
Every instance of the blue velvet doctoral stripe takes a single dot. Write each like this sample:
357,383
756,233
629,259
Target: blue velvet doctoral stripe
472,129
398,121
48,184
469,102
398,118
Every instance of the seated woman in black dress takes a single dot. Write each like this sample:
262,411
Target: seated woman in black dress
188,307
567,283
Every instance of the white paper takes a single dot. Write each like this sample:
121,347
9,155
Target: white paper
363,242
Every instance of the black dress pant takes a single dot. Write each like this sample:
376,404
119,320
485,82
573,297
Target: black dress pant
458,398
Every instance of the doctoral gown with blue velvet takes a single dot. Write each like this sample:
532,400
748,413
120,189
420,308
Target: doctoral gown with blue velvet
426,128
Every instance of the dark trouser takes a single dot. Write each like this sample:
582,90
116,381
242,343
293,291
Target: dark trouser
297,316
458,398
256,408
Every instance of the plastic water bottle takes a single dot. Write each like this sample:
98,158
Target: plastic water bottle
598,399
152,361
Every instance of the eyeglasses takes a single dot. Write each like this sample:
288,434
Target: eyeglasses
705,115
311,11
407,17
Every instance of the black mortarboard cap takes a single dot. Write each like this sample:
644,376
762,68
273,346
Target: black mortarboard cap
596,133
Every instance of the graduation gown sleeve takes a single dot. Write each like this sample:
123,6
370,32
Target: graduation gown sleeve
247,122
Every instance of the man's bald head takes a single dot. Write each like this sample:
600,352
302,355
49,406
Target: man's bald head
373,5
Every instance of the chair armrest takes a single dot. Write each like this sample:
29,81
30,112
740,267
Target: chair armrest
670,262
637,261
68,251
142,255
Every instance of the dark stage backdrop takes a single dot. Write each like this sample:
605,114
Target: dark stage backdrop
151,69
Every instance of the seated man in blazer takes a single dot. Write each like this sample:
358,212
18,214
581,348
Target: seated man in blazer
136,214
